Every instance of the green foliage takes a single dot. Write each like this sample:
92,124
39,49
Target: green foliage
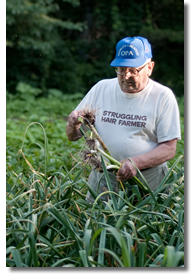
49,224
35,45
69,45
52,112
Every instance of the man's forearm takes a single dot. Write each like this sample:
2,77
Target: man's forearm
164,152
73,133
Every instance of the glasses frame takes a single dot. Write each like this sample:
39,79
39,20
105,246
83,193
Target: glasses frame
137,70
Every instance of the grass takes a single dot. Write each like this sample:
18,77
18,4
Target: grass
48,221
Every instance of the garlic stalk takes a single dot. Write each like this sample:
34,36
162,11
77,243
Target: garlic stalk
105,152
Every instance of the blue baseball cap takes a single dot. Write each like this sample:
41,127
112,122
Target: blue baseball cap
132,52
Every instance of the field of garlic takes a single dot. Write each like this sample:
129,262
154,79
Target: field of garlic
50,224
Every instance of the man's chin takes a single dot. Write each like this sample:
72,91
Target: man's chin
129,89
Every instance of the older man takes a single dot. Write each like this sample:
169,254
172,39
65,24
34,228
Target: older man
136,117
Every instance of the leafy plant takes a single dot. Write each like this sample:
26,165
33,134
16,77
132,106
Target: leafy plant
50,224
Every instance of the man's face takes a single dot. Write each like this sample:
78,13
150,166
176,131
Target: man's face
134,84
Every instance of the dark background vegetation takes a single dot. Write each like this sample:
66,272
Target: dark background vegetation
69,44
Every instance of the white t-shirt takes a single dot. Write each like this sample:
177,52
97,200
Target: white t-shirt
133,124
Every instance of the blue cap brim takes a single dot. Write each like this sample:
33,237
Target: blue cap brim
134,63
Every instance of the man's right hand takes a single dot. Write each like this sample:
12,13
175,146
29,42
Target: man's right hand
73,125
73,119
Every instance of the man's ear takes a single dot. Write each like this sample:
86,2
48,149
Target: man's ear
150,67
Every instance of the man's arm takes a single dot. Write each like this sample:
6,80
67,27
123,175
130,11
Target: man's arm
162,153
72,127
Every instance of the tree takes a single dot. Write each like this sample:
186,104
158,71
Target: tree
70,44
108,21
35,44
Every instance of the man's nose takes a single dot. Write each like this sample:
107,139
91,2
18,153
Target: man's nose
127,74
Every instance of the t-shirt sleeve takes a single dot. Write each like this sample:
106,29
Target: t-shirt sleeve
89,100
168,120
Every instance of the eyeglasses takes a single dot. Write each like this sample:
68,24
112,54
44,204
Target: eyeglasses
132,71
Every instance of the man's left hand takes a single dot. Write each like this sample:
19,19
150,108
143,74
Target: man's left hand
162,153
126,171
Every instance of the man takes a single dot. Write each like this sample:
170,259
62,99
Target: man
136,117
